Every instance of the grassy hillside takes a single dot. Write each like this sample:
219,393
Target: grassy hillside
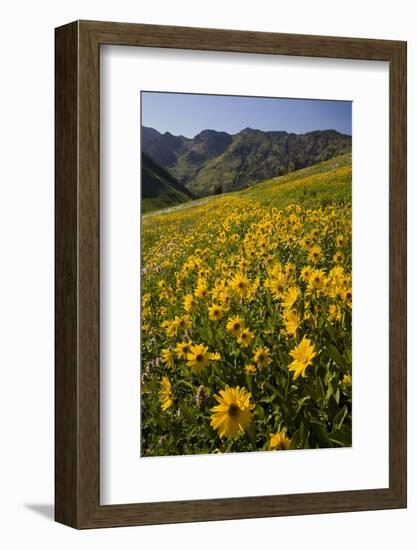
316,186
159,188
319,185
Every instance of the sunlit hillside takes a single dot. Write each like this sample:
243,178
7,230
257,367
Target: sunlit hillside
246,318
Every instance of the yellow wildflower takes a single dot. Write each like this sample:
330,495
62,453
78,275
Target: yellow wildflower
241,285
262,357
235,325
170,328
346,381
233,414
190,303
245,338
198,357
165,393
215,312
201,289
291,322
317,279
290,297
305,273
182,323
279,441
315,254
250,369
167,358
334,313
182,348
303,355
338,258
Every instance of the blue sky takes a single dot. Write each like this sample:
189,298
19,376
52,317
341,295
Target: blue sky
188,114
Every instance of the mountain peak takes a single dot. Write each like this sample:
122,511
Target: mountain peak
249,130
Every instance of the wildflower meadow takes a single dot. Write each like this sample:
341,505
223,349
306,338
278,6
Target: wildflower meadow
246,316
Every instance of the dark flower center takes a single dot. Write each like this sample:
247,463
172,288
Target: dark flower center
233,410
236,326
198,357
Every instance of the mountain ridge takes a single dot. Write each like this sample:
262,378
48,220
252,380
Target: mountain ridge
214,159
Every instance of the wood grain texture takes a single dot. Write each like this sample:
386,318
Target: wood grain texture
78,284
66,237
398,273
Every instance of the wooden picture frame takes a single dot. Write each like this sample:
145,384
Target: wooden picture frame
77,382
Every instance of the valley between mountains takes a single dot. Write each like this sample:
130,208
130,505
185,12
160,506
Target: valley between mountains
177,169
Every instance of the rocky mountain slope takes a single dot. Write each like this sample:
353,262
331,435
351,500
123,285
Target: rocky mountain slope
215,160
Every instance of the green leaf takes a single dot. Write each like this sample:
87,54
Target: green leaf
301,402
331,332
189,413
328,377
336,356
276,394
332,409
320,431
302,434
331,390
186,383
251,430
348,355
295,440
319,389
340,418
259,411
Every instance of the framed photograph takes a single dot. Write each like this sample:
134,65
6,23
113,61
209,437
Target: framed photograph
230,274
